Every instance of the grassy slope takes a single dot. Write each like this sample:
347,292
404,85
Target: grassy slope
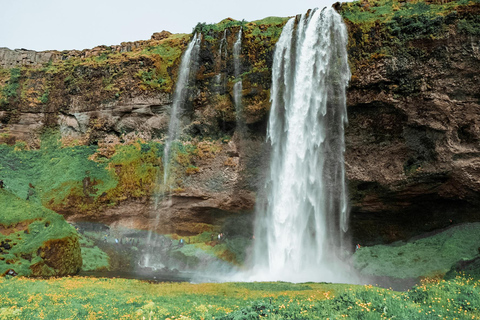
422,257
64,176
89,298
40,225
52,170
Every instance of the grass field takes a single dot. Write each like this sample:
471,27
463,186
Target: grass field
97,298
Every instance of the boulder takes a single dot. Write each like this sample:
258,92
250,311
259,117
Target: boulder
161,35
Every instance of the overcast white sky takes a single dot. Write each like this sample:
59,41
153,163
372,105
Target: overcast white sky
65,24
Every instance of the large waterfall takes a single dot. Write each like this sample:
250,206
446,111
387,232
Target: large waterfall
300,227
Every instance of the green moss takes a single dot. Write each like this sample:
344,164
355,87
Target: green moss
271,20
44,97
93,257
386,10
9,91
381,28
469,26
27,227
165,55
423,257
50,174
89,178
206,28
136,166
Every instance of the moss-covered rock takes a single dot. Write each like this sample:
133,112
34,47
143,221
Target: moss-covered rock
428,256
35,241
94,258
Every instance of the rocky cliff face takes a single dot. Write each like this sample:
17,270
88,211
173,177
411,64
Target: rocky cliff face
412,141
22,57
413,137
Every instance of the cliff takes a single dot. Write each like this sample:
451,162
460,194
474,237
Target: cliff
412,152
412,142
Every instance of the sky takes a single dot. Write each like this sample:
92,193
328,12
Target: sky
81,24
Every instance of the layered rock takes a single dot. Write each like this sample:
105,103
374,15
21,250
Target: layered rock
412,141
23,57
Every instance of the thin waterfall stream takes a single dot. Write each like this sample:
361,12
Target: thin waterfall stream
238,86
222,56
301,224
187,68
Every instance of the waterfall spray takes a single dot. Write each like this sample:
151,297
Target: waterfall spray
300,227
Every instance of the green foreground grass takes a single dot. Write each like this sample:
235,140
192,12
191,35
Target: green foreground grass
93,298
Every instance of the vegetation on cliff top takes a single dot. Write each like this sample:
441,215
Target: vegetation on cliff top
97,76
108,73
381,27
376,27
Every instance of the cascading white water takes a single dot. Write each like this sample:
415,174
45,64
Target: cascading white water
187,68
300,226
222,54
238,86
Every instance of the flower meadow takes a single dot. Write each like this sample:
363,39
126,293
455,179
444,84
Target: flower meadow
101,298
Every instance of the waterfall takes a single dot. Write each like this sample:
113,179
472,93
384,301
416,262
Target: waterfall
300,227
222,54
238,86
188,68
